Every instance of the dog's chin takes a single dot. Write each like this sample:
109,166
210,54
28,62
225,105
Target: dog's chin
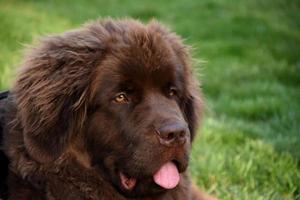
167,177
141,188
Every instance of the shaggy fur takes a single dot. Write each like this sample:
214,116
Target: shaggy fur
69,136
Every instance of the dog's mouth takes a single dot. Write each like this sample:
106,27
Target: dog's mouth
167,177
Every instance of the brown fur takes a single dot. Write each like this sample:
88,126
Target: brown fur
66,137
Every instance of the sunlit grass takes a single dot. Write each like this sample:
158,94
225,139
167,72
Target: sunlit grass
235,165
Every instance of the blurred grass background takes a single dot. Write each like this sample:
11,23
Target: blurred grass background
249,147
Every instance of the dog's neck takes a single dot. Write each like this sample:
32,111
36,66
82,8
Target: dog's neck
86,182
66,178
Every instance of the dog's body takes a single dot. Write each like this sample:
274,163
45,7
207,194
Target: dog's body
106,112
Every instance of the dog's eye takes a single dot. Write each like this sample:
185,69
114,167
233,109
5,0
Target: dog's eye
172,91
121,98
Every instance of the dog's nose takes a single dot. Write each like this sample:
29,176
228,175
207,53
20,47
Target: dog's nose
174,134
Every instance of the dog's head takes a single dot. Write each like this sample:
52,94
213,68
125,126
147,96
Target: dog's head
124,92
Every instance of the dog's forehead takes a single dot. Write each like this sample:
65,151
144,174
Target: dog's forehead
148,58
154,71
142,58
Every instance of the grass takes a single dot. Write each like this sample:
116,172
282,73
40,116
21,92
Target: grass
249,147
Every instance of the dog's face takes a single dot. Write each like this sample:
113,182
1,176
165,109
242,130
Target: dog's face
137,107
137,124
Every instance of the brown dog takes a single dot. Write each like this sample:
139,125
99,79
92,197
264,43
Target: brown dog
105,112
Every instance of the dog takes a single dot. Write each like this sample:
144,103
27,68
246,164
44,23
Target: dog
108,111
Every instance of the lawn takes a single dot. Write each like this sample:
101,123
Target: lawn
249,145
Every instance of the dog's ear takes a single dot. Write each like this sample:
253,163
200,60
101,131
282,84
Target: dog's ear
53,91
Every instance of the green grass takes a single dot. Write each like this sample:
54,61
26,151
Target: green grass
249,147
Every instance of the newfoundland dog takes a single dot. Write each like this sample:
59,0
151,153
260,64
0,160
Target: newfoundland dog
105,112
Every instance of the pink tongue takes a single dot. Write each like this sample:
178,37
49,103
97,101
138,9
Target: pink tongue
167,176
